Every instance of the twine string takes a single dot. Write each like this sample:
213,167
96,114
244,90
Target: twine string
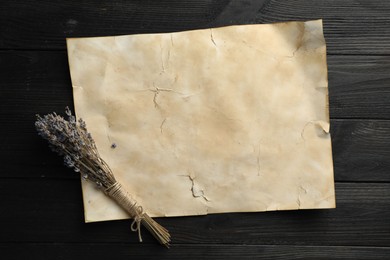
128,203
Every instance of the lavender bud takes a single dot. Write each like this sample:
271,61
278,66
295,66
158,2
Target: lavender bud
68,161
72,119
82,124
67,111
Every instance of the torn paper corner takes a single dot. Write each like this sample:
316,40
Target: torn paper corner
230,119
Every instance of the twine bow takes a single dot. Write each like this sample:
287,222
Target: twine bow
128,203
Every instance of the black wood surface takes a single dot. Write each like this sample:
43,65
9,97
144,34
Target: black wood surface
41,214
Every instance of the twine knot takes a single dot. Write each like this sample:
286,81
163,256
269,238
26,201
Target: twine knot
124,199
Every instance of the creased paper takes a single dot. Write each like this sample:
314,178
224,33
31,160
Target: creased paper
231,119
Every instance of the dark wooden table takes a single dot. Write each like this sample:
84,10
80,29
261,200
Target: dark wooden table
41,211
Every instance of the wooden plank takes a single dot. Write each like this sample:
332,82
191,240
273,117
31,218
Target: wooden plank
143,251
43,210
359,86
355,84
361,152
33,79
42,84
351,27
45,24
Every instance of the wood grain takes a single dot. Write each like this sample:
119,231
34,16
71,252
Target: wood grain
351,26
359,86
41,214
50,210
361,150
131,251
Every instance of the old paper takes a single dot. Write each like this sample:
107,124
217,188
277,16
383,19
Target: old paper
232,119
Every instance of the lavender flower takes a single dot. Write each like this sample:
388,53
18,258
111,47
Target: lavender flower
70,138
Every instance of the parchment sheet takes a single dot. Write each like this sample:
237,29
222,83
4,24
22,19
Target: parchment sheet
231,119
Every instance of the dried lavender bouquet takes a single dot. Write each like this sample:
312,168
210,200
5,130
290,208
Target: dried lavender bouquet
70,139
